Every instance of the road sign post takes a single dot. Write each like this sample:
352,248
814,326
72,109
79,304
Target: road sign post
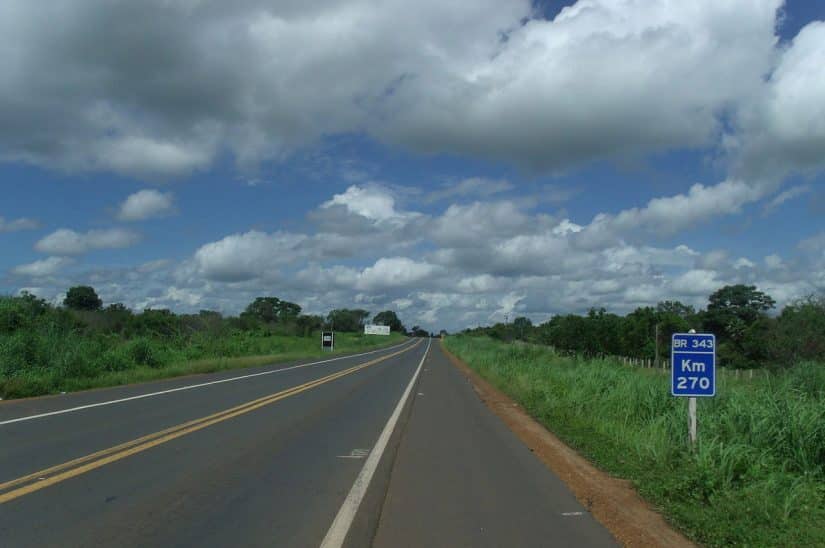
327,340
693,371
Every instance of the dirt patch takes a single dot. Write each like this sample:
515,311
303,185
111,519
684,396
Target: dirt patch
613,502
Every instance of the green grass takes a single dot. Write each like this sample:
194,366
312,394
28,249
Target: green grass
757,477
34,363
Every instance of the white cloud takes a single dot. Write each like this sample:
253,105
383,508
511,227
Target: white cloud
373,203
394,272
402,304
42,268
696,282
146,204
557,93
605,78
68,242
16,225
148,157
781,127
467,224
774,262
566,227
701,203
743,262
482,283
782,197
254,254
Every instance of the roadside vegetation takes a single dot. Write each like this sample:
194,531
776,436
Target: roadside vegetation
48,349
757,475
748,335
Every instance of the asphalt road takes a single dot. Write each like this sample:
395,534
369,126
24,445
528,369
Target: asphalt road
288,455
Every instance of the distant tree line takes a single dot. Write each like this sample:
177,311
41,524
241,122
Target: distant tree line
747,336
266,314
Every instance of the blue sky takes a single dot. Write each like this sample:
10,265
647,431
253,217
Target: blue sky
606,154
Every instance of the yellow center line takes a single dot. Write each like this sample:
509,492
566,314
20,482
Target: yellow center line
61,472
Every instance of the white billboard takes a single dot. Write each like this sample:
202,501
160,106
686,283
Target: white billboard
370,329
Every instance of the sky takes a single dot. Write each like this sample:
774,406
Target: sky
459,162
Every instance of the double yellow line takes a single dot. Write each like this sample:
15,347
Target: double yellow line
36,481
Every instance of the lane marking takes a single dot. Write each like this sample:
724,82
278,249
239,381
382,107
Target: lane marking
569,514
343,520
190,387
76,467
356,454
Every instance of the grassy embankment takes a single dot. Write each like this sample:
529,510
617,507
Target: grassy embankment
758,475
38,362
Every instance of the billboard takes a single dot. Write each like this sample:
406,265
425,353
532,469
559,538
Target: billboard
370,329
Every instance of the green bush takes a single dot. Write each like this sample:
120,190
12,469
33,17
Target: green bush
144,352
116,359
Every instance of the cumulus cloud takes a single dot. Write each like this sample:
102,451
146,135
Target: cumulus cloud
16,225
672,214
781,127
254,254
372,203
603,79
561,92
68,242
150,157
146,204
467,224
394,272
42,268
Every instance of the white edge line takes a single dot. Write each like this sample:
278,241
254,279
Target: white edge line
190,387
343,521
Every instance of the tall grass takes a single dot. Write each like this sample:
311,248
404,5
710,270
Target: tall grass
44,361
757,477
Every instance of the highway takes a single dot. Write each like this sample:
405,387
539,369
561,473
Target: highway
388,448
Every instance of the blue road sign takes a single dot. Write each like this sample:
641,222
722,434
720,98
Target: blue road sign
693,365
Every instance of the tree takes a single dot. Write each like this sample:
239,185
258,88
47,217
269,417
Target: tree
82,297
288,311
800,331
390,318
522,326
418,332
345,319
732,309
272,310
264,309
308,323
638,333
676,308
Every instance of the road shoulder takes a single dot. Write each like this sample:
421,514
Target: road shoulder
612,501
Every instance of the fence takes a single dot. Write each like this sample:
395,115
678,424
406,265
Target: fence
664,366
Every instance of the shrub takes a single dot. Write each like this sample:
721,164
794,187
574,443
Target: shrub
143,352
